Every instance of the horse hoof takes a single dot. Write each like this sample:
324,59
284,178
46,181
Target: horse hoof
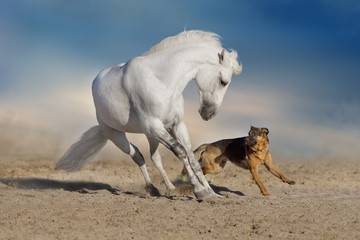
170,187
217,195
203,194
152,190
206,193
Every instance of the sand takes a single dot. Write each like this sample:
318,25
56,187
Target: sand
107,200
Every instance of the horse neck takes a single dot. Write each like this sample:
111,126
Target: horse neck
181,65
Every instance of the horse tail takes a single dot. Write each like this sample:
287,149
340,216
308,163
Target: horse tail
197,153
82,151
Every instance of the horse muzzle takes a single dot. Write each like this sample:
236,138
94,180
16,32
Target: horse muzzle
207,112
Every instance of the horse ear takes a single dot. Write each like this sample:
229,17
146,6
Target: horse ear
221,56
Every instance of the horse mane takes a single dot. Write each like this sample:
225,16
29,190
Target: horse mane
195,36
191,36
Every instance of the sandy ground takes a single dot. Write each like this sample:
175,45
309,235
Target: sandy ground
107,200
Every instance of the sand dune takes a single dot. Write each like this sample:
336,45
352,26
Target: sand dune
107,200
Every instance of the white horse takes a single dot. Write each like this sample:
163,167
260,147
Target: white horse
144,95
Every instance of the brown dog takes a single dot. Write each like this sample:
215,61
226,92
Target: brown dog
246,152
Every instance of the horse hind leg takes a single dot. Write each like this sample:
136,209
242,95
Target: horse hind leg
120,140
156,158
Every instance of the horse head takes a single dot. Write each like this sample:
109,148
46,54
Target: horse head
213,80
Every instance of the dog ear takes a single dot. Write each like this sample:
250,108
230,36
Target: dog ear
265,130
251,129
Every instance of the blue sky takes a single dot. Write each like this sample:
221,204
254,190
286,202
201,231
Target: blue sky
301,64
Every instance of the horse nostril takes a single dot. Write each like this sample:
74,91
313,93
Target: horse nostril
223,83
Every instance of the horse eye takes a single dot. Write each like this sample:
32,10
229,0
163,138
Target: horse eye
223,83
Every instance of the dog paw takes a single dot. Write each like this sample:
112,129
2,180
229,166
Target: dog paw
266,194
291,182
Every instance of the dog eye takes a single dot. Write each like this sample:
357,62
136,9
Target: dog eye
223,83
253,134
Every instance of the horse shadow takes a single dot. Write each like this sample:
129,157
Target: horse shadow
84,187
219,189
72,186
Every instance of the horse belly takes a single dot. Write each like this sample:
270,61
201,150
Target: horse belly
120,120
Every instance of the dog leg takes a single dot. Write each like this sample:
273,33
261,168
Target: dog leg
270,166
254,172
212,169
208,164
209,160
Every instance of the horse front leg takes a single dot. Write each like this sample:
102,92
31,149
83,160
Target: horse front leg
157,131
181,134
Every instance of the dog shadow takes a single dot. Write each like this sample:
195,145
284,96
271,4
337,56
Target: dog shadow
219,189
72,186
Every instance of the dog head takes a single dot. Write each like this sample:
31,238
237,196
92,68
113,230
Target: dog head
258,139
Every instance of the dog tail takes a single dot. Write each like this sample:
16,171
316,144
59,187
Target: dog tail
197,153
81,152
